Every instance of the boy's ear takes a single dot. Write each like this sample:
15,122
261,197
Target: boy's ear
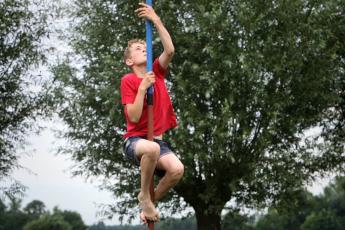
129,62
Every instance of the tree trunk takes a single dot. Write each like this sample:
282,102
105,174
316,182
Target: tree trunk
208,221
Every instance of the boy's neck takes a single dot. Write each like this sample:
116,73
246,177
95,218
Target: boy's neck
139,70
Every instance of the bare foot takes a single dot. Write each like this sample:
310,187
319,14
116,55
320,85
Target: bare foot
149,211
143,218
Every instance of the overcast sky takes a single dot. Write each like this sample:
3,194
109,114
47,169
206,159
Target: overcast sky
48,178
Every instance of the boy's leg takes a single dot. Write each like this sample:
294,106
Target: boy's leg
174,170
148,153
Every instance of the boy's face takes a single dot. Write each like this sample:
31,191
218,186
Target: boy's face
137,54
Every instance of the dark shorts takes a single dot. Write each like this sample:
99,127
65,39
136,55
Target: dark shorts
129,150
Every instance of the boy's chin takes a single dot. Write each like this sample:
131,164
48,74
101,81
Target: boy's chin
140,63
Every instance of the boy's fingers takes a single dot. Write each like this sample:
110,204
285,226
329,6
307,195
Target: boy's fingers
143,4
139,10
143,7
141,13
150,73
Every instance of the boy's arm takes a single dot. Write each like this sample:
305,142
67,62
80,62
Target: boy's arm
147,11
134,111
169,50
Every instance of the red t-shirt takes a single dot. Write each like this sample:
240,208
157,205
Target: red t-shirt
163,112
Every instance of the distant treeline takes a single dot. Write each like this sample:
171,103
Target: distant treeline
302,210
34,216
167,224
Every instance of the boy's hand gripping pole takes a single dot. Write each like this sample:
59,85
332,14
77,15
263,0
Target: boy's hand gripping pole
149,98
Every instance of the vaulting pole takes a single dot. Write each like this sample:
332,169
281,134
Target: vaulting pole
149,98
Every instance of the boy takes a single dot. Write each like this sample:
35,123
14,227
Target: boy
150,155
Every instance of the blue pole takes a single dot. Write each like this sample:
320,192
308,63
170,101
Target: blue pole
149,98
149,48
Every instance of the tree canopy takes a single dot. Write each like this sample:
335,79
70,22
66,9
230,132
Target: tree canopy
258,88
307,211
34,216
22,28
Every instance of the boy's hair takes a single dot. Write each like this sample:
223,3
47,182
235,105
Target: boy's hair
129,45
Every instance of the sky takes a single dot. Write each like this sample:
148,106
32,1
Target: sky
48,178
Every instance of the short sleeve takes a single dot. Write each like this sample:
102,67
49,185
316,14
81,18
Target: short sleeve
158,69
128,91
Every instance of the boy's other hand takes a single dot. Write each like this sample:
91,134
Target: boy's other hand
149,79
146,11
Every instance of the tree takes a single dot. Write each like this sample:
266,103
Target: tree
166,224
34,216
12,216
172,223
334,197
23,26
305,211
330,210
72,218
323,220
59,219
47,221
2,207
290,213
234,220
99,226
35,209
248,80
272,220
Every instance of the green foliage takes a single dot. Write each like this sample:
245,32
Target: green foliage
304,211
290,213
35,217
248,80
233,220
35,208
11,216
102,226
173,223
72,218
2,207
13,220
271,221
47,222
334,196
23,25
323,220
166,224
